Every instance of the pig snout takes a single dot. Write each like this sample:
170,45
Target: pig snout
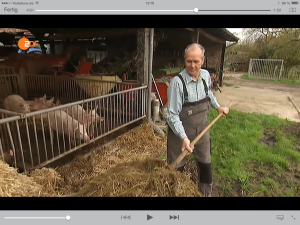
82,134
100,119
25,108
87,138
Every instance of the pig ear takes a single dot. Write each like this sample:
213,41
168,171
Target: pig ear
44,97
96,107
58,102
51,100
11,152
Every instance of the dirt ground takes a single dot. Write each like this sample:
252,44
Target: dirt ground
260,97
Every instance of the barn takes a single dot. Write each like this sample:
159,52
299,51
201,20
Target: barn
106,72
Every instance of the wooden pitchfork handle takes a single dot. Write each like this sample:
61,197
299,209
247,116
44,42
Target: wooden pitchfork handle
185,152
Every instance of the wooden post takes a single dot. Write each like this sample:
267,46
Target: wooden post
198,36
150,61
142,55
222,64
22,84
52,46
40,37
194,37
144,72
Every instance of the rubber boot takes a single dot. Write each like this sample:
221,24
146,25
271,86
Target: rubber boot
204,178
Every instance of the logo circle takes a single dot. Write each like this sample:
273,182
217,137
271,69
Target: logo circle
24,43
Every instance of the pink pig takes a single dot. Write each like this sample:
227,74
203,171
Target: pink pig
16,103
69,125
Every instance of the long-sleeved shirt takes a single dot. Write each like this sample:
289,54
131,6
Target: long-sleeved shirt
196,92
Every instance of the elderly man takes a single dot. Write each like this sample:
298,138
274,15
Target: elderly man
189,98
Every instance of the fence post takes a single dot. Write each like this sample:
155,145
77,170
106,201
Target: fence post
281,69
250,68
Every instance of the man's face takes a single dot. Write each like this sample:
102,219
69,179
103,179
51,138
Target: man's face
193,61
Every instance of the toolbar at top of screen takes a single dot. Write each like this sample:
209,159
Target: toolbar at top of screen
150,7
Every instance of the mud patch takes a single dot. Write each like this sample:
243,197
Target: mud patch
269,138
293,130
284,180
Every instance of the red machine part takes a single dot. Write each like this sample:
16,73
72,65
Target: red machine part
161,86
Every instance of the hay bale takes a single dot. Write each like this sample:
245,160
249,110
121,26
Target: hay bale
137,144
76,175
133,170
128,167
147,178
14,184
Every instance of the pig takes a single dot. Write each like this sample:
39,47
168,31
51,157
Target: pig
93,118
36,106
16,103
49,103
84,117
43,98
87,118
69,125
8,157
77,112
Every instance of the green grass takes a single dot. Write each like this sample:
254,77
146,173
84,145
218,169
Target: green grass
254,155
243,163
283,81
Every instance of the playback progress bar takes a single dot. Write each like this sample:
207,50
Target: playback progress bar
158,10
38,218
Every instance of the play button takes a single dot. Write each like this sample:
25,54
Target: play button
149,217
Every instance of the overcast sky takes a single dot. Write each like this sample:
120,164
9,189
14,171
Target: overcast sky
237,30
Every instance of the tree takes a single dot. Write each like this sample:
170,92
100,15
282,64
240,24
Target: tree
271,43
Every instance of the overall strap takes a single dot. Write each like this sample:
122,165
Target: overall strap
205,87
185,89
185,93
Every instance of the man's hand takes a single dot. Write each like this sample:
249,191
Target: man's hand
186,145
223,110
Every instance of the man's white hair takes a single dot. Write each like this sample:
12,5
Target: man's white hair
195,45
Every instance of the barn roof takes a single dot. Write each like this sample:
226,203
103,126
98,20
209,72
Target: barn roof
221,33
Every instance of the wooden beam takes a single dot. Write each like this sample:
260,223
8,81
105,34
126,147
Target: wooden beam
81,34
190,29
222,65
209,36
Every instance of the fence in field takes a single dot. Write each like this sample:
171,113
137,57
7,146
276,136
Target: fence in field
272,69
266,68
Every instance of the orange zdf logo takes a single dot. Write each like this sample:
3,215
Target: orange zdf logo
25,44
